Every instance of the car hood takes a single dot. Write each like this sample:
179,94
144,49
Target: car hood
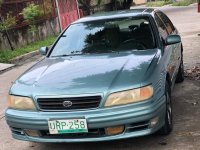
85,74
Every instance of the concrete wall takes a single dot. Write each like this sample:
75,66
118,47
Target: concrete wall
21,36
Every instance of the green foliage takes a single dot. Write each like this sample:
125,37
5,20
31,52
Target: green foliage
99,2
1,1
6,55
32,29
31,12
7,22
184,3
158,3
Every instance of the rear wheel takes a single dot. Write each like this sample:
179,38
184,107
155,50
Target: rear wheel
168,126
180,75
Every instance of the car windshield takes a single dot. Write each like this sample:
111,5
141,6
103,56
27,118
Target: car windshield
105,36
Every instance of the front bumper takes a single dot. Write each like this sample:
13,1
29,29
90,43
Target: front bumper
135,118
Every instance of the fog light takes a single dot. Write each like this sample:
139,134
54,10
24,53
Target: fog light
114,130
153,122
33,133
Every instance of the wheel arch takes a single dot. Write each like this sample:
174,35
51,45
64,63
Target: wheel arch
168,79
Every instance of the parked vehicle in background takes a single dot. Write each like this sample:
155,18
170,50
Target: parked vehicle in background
107,77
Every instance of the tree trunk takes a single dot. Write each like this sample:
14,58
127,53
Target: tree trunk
7,36
127,4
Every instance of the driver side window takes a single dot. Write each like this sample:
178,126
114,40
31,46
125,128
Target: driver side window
170,27
161,28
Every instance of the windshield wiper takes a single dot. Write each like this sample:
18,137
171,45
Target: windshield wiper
76,54
65,55
63,35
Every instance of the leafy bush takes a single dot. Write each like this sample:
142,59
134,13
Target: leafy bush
1,1
7,22
31,12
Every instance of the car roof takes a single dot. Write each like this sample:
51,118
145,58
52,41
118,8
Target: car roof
117,14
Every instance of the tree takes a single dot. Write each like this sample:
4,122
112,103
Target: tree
127,4
1,1
121,4
115,5
86,6
6,22
30,14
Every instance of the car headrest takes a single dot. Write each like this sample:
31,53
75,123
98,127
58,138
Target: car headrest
144,25
112,27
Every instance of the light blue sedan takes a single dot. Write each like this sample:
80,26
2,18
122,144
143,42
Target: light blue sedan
107,77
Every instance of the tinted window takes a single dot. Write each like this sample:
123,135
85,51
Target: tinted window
161,27
168,23
105,36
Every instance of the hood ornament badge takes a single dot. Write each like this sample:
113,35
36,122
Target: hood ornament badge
67,104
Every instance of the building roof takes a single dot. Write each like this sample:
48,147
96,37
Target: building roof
117,14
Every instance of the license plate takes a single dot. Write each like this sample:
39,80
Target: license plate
67,126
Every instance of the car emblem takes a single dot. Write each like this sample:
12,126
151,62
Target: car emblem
67,104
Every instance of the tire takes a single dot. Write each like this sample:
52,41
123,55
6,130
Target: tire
168,126
180,75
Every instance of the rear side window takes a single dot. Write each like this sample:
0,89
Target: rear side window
167,22
161,28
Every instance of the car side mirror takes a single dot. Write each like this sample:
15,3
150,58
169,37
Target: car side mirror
43,50
173,39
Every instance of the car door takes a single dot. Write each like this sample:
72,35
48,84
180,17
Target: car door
168,51
175,48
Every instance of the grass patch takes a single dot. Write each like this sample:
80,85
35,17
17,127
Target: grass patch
6,55
184,3
158,3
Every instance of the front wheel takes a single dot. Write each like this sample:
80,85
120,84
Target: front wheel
168,126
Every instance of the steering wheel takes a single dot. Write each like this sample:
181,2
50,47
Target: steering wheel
133,44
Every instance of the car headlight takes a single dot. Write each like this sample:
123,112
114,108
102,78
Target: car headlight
21,103
130,96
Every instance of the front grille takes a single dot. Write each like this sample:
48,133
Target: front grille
56,104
